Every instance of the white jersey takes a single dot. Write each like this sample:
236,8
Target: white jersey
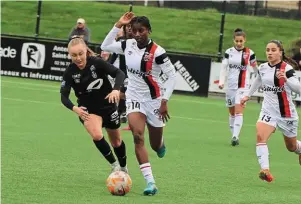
277,98
238,64
143,68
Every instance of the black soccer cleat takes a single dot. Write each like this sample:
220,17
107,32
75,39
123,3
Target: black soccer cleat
234,141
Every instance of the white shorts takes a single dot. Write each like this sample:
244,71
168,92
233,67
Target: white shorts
288,126
233,96
150,109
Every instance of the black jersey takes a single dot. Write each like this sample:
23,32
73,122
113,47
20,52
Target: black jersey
90,84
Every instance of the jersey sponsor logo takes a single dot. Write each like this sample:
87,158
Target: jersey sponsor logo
33,55
273,89
92,68
95,85
235,66
139,73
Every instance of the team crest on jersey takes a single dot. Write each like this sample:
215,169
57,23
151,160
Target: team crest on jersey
147,56
76,78
130,52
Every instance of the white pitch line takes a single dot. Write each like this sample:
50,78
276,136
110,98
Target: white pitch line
219,103
30,84
172,116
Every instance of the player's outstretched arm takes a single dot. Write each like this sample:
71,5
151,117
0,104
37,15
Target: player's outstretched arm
109,44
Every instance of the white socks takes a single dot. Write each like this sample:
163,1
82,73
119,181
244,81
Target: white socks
237,125
262,153
231,122
146,170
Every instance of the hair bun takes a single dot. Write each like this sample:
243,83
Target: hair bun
238,30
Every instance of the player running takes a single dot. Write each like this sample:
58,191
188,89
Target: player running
87,76
277,79
146,102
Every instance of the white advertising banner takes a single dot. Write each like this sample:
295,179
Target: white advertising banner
214,80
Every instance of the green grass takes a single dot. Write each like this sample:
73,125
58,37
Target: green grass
177,30
47,156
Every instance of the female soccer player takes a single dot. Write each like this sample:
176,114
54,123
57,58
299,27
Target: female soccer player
87,75
236,65
277,79
145,101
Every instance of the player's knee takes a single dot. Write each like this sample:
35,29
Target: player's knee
260,138
291,147
116,142
97,136
138,137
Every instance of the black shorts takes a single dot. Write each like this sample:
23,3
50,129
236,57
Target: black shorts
110,117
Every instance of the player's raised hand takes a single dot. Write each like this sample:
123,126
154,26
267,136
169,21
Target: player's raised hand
114,96
125,19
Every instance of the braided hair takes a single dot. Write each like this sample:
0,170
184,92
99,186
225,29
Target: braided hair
143,20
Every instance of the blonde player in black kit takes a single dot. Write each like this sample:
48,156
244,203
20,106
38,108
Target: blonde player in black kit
87,76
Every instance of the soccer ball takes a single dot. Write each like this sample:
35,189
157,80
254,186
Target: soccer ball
119,183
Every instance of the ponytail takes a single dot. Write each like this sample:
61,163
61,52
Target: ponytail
286,59
290,61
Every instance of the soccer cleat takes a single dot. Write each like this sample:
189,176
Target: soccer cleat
266,175
115,167
234,141
151,189
162,151
124,169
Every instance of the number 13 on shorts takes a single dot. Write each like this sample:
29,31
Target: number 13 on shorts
267,119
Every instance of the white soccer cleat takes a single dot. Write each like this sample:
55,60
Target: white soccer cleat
115,166
124,169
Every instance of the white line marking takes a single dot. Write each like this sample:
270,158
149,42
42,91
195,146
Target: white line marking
34,89
30,84
220,103
172,116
